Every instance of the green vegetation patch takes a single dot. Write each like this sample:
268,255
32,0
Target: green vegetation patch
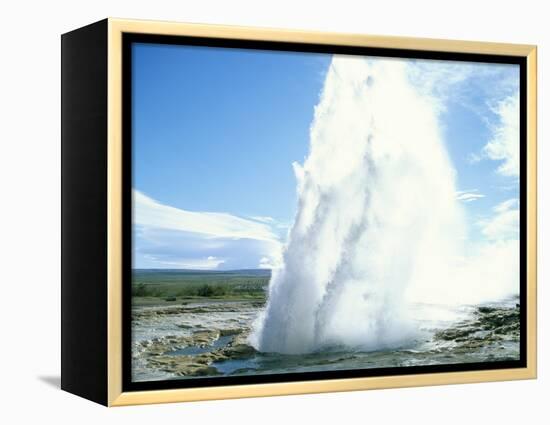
173,284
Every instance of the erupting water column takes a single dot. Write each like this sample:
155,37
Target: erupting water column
376,197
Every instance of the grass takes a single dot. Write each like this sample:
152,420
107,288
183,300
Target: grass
174,285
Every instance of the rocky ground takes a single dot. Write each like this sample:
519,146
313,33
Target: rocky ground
160,355
490,326
168,353
202,336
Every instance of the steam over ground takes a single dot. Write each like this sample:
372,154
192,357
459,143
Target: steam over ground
378,225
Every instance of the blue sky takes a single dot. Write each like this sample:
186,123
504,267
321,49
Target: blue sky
215,133
210,123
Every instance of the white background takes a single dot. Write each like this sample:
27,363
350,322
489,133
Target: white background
30,212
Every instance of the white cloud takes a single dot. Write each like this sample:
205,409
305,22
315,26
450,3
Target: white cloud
446,81
263,219
439,81
469,195
504,143
283,225
506,206
208,263
267,263
474,158
504,224
151,213
169,237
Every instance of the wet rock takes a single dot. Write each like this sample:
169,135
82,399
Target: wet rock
231,331
187,326
239,351
159,346
202,337
485,310
453,334
491,326
184,365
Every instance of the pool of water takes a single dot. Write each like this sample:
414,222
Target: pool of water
236,366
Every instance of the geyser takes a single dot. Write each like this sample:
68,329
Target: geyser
377,222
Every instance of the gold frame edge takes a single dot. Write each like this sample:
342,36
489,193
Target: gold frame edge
116,27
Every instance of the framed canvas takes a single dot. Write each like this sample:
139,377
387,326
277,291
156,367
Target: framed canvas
251,212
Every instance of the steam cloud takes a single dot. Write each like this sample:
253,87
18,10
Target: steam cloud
378,225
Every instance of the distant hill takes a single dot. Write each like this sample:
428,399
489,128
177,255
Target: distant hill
146,273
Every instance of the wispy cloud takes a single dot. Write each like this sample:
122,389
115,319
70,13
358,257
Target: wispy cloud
170,237
465,83
455,81
267,263
207,263
508,205
437,81
263,219
504,224
469,195
474,158
504,143
151,213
